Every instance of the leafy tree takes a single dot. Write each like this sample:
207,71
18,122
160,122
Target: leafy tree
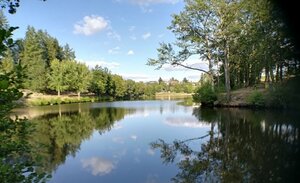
56,76
82,78
98,82
5,34
7,63
205,95
16,161
70,74
248,38
187,87
118,86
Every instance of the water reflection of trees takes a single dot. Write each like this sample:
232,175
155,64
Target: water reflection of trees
242,146
55,136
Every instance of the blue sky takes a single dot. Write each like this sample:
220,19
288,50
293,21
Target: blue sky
118,34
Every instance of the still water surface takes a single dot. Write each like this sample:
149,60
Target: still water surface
160,141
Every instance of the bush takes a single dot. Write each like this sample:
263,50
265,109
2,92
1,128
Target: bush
256,98
285,94
205,95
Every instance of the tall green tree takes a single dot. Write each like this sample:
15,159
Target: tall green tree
82,78
248,38
32,58
68,53
56,76
201,29
118,86
98,82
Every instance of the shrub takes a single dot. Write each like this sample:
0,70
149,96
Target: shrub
205,94
44,101
285,94
256,98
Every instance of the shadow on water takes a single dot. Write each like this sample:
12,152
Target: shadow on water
241,146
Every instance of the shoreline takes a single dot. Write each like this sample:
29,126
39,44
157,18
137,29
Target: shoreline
31,99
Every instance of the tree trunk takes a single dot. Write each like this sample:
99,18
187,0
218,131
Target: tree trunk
272,74
226,70
78,95
210,65
58,93
59,110
267,77
277,73
280,72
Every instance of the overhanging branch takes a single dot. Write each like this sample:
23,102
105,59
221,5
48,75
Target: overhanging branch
189,67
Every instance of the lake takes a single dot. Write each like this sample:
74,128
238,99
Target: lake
160,141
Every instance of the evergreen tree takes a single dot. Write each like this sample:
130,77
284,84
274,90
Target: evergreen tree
32,59
68,53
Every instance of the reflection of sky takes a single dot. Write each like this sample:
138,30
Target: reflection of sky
151,152
98,166
128,156
185,121
133,137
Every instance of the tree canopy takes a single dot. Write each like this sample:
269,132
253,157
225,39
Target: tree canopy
247,38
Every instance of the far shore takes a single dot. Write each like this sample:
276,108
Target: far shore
40,99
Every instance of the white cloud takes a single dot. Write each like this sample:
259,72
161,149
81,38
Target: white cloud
98,166
151,152
133,37
194,77
160,35
146,35
130,52
118,140
90,25
196,63
115,50
149,2
102,63
139,77
146,9
131,28
117,126
114,35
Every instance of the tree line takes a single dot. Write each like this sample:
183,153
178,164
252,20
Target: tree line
244,42
47,67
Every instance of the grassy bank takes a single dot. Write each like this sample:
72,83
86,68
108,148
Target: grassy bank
59,100
283,95
39,99
169,96
245,97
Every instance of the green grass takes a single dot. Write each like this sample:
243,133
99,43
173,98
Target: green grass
58,100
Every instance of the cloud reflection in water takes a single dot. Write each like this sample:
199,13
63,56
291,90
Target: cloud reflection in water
185,121
98,166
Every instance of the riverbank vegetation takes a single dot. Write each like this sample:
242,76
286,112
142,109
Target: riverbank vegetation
246,44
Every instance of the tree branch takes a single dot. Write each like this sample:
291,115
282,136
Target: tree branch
188,67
